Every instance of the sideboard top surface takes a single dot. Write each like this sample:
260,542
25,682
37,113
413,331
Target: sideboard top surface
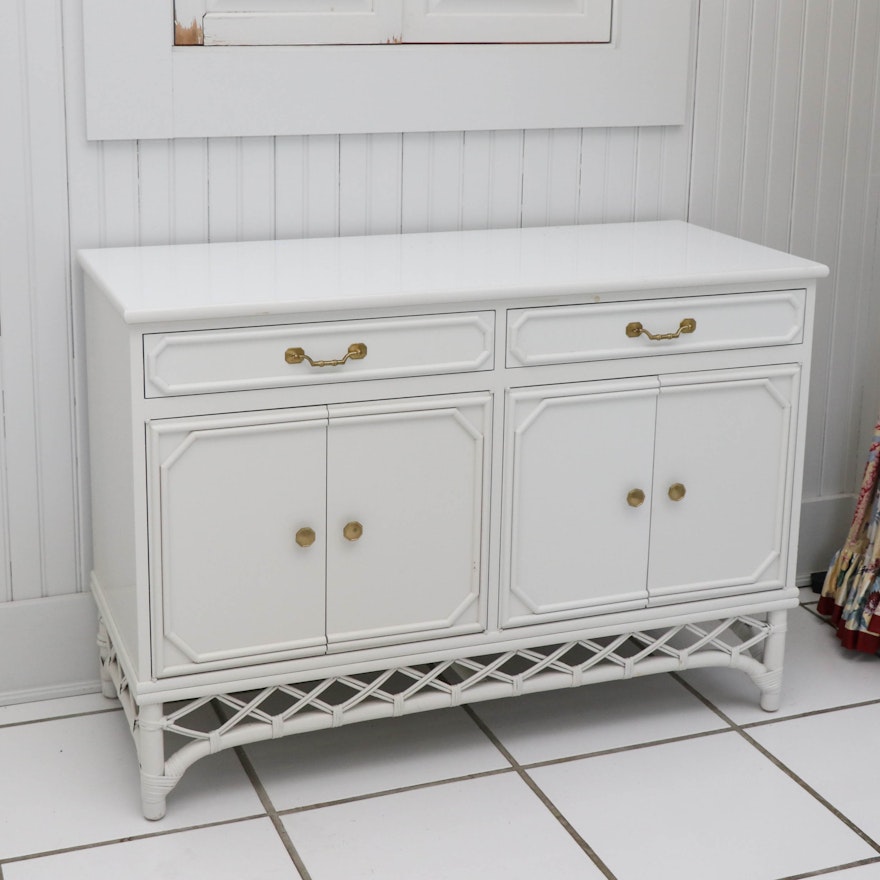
292,277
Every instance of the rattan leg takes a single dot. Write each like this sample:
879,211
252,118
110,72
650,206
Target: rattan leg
774,650
151,755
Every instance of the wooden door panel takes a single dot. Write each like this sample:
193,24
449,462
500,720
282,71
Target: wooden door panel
232,496
574,542
728,444
414,481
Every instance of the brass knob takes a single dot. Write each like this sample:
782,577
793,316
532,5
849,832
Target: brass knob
676,491
305,537
635,497
352,531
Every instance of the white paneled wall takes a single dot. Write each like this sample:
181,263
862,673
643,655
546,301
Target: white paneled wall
780,147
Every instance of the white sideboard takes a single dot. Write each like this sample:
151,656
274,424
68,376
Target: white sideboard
342,479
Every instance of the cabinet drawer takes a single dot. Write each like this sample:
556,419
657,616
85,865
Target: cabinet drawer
206,361
569,334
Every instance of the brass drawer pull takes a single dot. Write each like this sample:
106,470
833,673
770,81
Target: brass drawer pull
357,351
635,329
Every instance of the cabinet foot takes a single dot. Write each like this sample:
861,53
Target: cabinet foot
770,701
152,802
770,681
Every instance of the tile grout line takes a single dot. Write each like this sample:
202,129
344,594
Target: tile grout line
265,800
749,725
403,789
131,838
11,724
541,795
827,872
776,762
271,813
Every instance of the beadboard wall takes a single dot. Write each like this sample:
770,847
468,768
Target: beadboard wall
780,147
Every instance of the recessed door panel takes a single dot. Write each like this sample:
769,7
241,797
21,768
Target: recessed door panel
405,508
240,514
579,488
723,469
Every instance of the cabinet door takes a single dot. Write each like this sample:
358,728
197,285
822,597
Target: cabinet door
728,445
411,477
230,495
576,538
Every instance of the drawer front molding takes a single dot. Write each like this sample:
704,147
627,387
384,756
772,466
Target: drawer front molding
573,334
244,359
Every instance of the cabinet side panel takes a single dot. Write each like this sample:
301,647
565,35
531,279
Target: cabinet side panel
114,574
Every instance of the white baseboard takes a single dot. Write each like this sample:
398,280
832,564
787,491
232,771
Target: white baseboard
47,648
824,524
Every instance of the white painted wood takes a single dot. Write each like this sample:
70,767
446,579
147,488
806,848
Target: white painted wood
784,153
572,542
225,601
413,476
551,160
519,21
568,334
241,189
730,444
241,279
316,22
306,186
136,200
370,184
431,178
38,541
301,22
492,179
129,79
48,648
231,91
240,359
423,525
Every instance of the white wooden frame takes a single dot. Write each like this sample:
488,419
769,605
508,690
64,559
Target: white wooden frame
302,22
145,87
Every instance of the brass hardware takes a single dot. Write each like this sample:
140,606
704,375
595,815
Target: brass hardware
635,498
305,537
352,531
635,329
357,351
676,491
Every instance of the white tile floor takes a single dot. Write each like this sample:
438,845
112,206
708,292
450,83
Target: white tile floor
656,778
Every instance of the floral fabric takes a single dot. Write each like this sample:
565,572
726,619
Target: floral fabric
851,593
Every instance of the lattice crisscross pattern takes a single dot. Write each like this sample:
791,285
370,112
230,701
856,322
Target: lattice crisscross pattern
217,721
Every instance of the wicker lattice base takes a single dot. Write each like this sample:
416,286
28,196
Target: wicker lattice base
752,645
